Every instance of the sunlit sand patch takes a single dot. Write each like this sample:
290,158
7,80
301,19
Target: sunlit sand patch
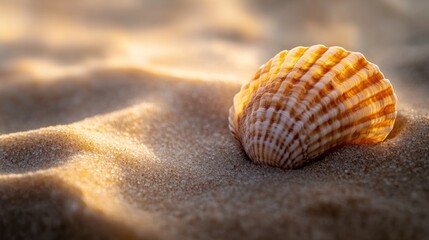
97,172
182,49
179,49
45,70
109,130
13,24
168,60
187,60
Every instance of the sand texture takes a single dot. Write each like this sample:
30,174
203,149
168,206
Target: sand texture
113,122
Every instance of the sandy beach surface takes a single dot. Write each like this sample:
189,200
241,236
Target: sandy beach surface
113,122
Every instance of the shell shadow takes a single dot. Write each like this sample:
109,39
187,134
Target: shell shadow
399,125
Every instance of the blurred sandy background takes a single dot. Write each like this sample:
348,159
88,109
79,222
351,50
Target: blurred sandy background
113,117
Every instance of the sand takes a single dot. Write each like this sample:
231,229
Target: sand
113,123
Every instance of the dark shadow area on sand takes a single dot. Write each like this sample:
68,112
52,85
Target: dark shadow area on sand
47,208
34,104
399,125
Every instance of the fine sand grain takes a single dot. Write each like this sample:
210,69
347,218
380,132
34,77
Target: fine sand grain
116,126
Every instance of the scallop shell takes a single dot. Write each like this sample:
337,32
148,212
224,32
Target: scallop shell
308,100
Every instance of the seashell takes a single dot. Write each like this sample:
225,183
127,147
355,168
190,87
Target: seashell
308,100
